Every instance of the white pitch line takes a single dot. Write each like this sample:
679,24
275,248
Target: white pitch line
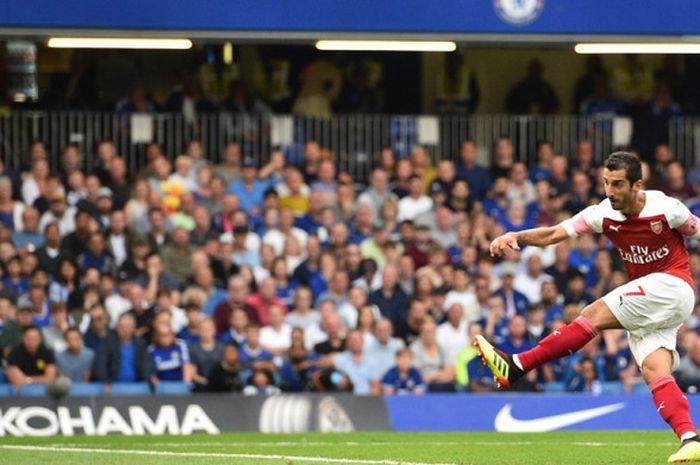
80,450
383,444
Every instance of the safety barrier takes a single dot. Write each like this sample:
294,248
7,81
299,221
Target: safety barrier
353,140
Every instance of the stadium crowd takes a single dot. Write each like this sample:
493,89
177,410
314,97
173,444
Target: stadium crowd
261,279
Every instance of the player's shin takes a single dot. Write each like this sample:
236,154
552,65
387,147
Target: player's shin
563,341
673,407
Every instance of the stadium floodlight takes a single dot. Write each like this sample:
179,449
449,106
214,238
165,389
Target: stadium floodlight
387,45
120,42
671,48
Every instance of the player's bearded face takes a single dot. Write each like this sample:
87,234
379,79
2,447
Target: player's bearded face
618,189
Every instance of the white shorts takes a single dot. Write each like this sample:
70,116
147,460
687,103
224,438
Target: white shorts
652,309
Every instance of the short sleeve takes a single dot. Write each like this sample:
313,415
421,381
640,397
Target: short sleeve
49,356
676,213
185,353
14,358
588,220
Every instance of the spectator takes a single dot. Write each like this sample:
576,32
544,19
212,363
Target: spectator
27,234
295,196
76,361
249,189
302,315
390,298
403,378
12,321
357,366
97,328
459,372
141,310
96,256
123,357
520,187
688,373
229,170
462,294
154,277
586,379
54,335
30,362
529,283
205,354
477,177
225,376
429,359
75,243
66,281
169,356
576,291
495,323
532,95
276,338
261,383
59,212
41,309
331,329
515,302
378,191
382,350
561,270
176,256
416,202
452,334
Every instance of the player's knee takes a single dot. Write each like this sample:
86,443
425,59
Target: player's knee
600,316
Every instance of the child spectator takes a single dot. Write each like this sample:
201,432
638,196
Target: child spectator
403,378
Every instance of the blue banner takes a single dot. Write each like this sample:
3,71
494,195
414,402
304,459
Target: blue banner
672,17
526,413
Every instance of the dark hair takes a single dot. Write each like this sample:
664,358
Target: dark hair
31,327
625,161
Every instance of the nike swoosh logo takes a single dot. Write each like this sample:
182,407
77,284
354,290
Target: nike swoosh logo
506,423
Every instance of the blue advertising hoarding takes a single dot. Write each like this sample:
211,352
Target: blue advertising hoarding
668,17
526,413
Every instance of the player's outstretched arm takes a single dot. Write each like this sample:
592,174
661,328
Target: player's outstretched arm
539,237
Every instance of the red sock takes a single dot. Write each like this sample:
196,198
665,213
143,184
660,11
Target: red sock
673,406
564,341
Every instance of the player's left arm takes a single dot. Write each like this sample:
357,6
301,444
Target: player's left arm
682,220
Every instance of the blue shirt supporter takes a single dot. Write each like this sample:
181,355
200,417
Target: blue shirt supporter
511,347
251,196
169,361
478,178
494,210
22,238
538,173
307,223
127,369
479,373
409,383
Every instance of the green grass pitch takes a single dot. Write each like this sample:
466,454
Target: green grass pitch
560,448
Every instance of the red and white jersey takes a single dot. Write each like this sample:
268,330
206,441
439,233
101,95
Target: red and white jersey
652,242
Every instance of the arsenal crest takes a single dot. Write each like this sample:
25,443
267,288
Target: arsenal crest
657,227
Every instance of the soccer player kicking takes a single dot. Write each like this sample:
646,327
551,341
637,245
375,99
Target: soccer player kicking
648,229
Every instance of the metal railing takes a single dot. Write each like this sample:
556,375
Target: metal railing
353,140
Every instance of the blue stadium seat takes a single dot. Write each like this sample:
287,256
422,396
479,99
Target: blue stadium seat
130,389
173,388
6,390
32,390
613,387
554,386
86,389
